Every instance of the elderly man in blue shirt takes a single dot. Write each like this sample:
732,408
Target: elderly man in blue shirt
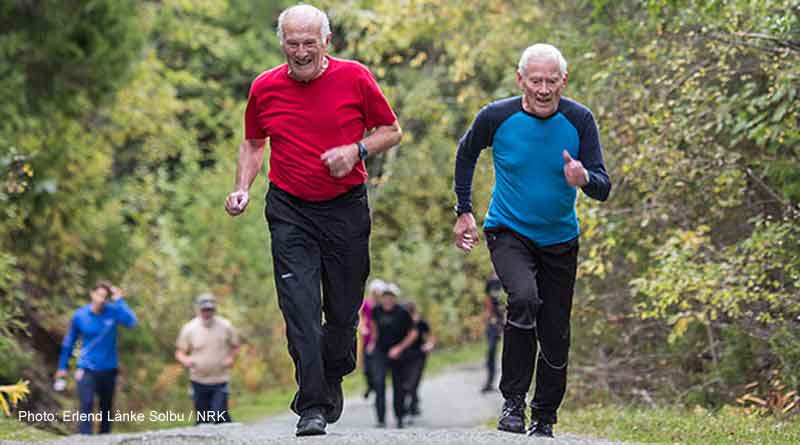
544,148
96,325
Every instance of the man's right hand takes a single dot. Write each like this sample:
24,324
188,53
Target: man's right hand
465,232
237,201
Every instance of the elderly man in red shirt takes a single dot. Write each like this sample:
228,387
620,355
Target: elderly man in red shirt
323,116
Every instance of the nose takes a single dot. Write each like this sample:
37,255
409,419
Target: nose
543,88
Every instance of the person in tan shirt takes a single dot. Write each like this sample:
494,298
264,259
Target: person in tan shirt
207,346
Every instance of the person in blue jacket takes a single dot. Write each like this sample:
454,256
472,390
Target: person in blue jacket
545,147
96,325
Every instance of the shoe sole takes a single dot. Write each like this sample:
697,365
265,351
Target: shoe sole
310,432
510,430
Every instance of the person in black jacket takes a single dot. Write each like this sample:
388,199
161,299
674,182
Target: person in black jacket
394,334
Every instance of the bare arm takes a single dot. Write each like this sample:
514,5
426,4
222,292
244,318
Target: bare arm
183,358
382,139
230,359
340,160
251,157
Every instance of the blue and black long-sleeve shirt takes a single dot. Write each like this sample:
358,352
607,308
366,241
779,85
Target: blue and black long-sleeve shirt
98,333
531,195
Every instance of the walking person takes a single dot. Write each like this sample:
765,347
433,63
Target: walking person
374,292
315,109
493,318
95,324
394,334
207,346
417,357
544,147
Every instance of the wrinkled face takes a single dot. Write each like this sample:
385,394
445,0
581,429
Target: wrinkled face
542,84
99,296
303,47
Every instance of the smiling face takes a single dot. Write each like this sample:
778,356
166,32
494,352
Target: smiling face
303,46
542,84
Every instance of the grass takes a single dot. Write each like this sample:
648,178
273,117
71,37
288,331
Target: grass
12,429
678,425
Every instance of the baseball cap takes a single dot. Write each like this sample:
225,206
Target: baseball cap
206,301
393,289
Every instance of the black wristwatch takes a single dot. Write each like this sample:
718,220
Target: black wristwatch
362,150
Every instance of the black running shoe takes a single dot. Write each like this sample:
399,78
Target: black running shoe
311,423
512,418
337,400
541,429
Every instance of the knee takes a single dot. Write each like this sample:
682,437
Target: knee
523,304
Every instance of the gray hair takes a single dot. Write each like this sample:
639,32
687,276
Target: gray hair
325,24
544,51
377,286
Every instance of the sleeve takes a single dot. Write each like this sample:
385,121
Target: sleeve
377,111
252,129
590,153
69,343
124,314
184,342
478,136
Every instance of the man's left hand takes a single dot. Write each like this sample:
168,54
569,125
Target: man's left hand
574,171
116,293
340,160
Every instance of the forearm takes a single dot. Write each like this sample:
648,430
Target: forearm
67,346
410,337
125,315
233,353
383,138
599,186
251,157
464,171
180,356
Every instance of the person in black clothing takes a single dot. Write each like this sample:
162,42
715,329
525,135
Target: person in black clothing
417,356
394,333
494,321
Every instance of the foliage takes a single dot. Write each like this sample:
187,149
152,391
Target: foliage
119,123
10,395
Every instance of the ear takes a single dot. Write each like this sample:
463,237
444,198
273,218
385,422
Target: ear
519,79
566,78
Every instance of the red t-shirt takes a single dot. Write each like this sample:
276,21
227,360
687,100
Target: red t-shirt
303,120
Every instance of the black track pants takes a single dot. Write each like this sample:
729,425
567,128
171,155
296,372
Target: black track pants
540,282
320,252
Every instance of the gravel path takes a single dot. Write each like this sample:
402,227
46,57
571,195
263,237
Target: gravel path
453,412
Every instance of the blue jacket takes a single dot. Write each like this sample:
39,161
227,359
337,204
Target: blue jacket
98,333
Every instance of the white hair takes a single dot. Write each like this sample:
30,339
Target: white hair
393,289
377,286
325,24
544,51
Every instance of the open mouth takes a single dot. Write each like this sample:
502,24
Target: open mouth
300,63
